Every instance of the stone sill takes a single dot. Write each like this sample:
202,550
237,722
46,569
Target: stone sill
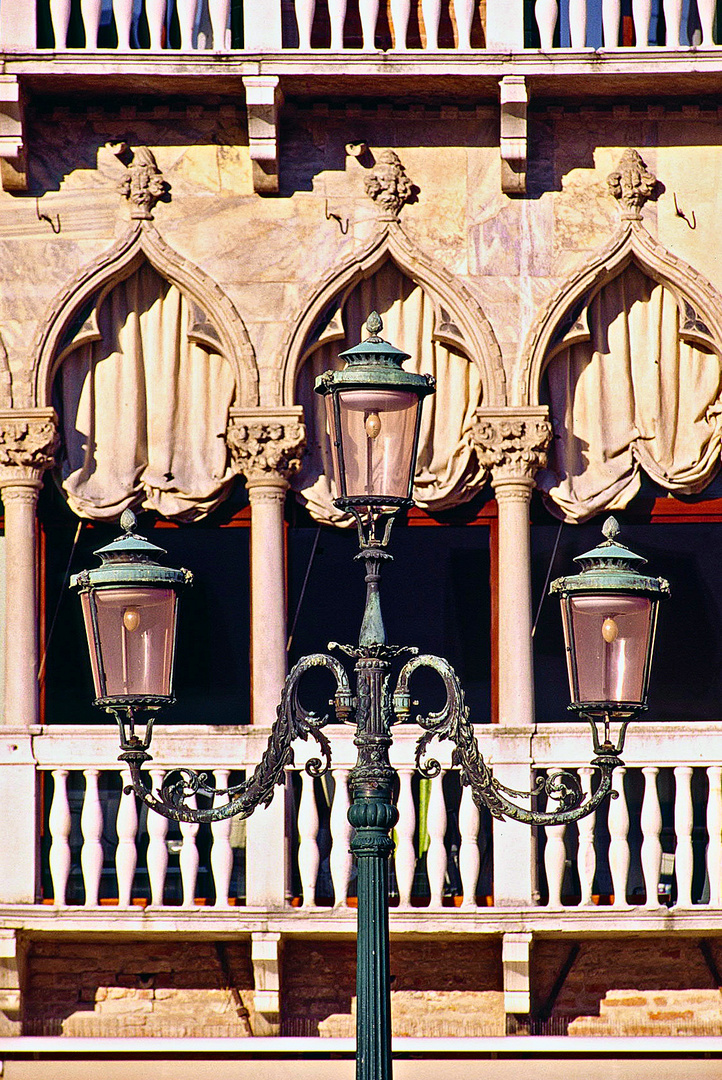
564,73
322,923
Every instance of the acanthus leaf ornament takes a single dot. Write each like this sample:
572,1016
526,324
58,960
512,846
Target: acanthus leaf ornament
513,446
266,448
28,443
388,185
632,184
143,184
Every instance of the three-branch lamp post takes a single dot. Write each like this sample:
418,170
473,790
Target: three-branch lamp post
129,603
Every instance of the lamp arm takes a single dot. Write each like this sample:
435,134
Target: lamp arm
452,722
292,722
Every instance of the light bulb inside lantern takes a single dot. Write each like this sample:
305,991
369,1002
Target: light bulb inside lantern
610,630
131,619
373,425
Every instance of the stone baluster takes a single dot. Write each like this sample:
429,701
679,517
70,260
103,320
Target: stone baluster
464,15
400,13
219,11
469,858
155,14
91,826
651,822
611,14
60,18
511,443
587,854
59,823
187,10
157,849
714,831
90,11
305,11
707,10
436,858
672,22
369,12
431,13
683,822
123,14
189,858
578,23
337,15
405,855
126,854
28,441
340,859
308,854
546,13
641,13
618,839
221,850
555,857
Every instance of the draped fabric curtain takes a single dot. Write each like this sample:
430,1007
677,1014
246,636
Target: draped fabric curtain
447,472
634,397
144,410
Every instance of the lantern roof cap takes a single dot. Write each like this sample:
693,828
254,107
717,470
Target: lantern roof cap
610,567
374,363
130,560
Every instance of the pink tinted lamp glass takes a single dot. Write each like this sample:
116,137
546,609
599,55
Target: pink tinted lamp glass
611,639
378,429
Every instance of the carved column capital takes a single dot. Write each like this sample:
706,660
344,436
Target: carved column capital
28,441
512,444
266,445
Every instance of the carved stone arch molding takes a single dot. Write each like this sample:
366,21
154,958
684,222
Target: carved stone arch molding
459,320
147,359
562,320
432,316
628,356
73,315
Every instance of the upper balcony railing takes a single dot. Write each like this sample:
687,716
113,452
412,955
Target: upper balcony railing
421,26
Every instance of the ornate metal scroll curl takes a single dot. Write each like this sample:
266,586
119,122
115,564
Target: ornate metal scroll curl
452,722
292,722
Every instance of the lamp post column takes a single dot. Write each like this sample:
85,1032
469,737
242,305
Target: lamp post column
512,444
266,447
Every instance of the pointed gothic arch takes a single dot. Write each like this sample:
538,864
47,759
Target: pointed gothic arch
73,316
558,324
459,320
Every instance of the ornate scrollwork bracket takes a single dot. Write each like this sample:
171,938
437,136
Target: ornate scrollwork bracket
452,722
293,722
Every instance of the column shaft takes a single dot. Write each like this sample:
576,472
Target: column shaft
268,596
21,635
516,663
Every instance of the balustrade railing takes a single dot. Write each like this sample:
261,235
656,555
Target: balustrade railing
336,26
657,845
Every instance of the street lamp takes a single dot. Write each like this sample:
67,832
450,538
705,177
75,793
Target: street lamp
373,409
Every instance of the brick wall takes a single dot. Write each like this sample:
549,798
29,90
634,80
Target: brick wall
438,987
635,986
140,988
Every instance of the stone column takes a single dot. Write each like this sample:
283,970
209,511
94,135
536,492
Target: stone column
512,443
28,440
266,445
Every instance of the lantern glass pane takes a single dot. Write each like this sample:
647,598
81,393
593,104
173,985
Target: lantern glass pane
378,429
136,627
611,638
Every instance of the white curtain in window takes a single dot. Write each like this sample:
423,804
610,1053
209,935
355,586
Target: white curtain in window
144,410
447,472
635,396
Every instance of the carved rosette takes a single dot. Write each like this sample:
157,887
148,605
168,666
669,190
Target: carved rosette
513,445
28,442
143,185
388,185
267,448
631,184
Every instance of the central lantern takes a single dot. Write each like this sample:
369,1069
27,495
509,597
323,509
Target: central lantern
373,412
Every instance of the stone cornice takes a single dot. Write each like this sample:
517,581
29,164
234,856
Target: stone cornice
512,443
28,441
266,445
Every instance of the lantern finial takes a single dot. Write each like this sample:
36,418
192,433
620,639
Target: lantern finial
374,324
611,529
128,521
